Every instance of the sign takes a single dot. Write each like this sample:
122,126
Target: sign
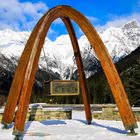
66,87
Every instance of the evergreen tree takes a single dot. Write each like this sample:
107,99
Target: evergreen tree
131,80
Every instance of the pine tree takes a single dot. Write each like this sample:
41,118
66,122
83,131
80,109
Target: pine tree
131,80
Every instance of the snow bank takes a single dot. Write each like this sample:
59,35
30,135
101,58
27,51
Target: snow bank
75,129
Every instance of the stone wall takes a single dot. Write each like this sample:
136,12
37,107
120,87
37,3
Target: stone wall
39,112
110,112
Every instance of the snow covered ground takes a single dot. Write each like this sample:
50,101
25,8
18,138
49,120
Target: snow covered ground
75,129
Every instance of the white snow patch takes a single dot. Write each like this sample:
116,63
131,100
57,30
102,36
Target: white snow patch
75,129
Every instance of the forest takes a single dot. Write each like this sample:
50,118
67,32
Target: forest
97,86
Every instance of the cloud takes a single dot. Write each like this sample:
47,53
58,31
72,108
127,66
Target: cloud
58,21
118,21
92,19
52,34
20,15
51,31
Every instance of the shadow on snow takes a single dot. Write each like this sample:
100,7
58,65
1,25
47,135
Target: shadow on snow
113,129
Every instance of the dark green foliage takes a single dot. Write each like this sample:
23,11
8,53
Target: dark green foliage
99,90
131,79
101,93
129,70
2,100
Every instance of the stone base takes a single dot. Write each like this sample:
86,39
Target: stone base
39,114
110,112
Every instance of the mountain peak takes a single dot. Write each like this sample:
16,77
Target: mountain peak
8,30
131,24
63,39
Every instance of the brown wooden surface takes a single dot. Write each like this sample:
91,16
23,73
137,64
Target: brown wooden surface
78,58
17,82
25,73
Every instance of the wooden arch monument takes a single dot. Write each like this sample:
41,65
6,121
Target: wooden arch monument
20,91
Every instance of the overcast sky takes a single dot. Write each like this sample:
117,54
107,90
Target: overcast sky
22,15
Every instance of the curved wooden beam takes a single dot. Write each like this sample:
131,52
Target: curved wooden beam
34,49
18,79
25,98
78,58
17,83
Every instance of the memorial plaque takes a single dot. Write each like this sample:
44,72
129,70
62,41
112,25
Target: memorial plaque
64,88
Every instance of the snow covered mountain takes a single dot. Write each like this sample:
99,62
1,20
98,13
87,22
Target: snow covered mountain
121,41
57,57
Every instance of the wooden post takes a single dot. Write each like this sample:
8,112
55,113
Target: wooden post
78,58
18,79
25,95
29,80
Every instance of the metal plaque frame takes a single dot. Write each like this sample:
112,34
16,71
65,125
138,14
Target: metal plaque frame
64,88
